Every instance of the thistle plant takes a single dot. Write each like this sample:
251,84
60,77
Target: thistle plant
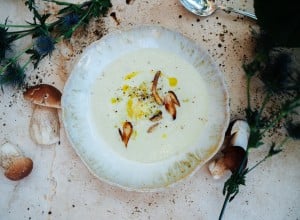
274,67
45,35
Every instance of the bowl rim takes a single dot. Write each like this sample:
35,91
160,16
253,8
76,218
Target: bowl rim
198,166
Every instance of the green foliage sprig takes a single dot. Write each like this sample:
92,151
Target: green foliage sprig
261,122
281,79
45,35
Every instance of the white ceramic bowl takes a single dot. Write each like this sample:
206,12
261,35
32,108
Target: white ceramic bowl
108,159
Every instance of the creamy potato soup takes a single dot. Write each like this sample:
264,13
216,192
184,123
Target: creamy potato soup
123,93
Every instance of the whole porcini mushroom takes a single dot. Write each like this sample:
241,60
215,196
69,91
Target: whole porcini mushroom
15,164
234,152
44,124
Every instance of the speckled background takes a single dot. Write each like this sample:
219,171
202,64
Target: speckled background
61,187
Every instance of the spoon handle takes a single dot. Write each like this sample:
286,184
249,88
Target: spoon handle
245,13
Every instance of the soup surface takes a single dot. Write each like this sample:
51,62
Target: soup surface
122,93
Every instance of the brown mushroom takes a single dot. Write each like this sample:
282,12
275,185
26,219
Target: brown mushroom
174,98
156,117
234,152
44,95
126,132
152,128
155,94
170,101
15,164
44,124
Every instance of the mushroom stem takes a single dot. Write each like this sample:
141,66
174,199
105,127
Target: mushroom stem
8,152
239,133
44,125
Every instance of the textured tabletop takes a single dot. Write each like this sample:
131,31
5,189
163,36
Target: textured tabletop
61,187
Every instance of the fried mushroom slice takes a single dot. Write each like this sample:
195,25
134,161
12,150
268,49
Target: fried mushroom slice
126,132
156,117
155,94
152,127
174,98
170,101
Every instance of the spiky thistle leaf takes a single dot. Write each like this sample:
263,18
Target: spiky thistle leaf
5,41
13,75
293,129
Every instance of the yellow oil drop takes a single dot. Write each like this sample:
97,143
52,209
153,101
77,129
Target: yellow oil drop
172,81
129,108
114,100
131,75
125,88
164,136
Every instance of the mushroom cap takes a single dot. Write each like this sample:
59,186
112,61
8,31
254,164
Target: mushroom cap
44,95
231,160
20,168
233,157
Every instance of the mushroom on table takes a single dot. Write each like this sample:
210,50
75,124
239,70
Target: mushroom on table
234,152
44,124
15,164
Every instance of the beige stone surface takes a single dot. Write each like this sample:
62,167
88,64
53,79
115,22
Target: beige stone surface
61,187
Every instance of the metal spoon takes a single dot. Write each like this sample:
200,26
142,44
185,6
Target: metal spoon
207,7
